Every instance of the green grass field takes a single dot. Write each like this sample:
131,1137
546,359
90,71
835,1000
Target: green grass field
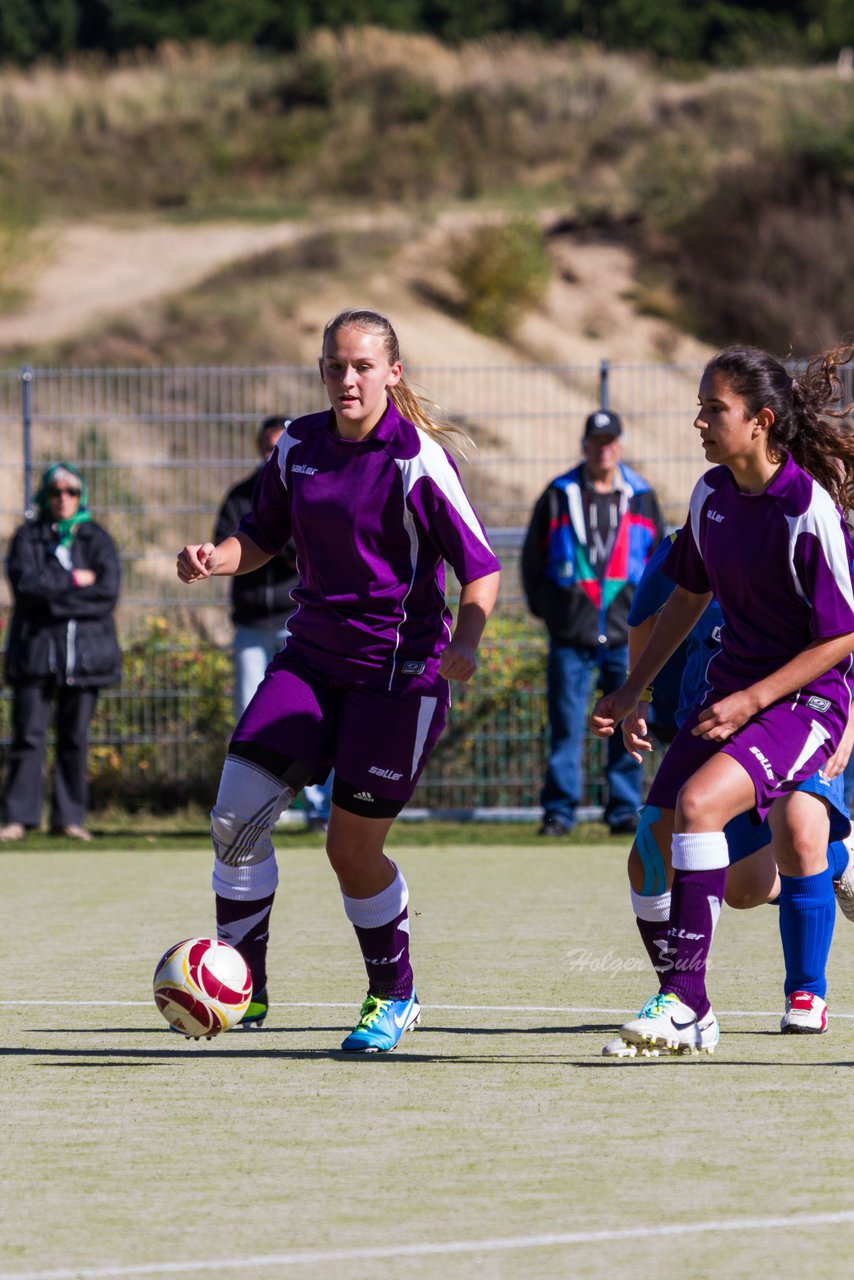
496,1142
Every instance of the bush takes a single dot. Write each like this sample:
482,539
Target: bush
503,271
158,741
765,257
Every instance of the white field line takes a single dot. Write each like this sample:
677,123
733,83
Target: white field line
459,1008
321,1257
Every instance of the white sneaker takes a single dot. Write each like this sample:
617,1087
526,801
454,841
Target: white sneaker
666,1023
620,1048
844,886
806,1014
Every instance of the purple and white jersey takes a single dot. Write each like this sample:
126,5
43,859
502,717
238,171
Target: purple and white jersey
373,521
779,563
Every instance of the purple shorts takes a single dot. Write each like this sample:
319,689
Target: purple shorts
779,749
377,742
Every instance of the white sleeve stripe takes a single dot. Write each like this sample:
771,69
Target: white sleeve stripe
822,520
698,498
283,446
432,463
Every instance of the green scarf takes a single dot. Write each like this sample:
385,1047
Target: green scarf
65,528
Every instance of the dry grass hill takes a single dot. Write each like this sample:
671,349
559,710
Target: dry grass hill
199,207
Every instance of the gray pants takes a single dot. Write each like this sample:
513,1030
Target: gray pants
31,712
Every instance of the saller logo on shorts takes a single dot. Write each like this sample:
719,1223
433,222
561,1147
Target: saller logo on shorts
385,773
764,761
818,704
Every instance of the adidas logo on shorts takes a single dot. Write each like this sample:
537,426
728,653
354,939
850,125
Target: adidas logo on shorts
363,795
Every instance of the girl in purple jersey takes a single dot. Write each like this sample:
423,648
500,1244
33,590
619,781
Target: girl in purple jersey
375,506
766,537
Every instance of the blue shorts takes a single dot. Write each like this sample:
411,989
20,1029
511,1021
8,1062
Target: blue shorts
745,835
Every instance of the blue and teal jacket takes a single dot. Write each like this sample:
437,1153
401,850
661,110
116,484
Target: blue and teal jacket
578,606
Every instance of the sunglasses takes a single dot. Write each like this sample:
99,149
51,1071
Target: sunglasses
58,492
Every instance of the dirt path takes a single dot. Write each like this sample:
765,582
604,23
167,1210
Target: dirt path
93,270
96,271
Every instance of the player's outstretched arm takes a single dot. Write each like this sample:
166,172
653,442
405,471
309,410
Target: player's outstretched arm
477,599
235,554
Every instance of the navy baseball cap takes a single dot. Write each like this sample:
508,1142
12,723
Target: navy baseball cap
603,423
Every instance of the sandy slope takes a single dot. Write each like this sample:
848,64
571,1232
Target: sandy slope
95,271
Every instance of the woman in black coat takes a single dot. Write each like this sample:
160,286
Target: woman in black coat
62,648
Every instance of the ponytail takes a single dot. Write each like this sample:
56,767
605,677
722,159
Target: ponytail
808,411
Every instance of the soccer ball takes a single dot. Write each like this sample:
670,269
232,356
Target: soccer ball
202,987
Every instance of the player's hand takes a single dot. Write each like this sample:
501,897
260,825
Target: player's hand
636,737
837,762
195,562
720,721
459,661
611,709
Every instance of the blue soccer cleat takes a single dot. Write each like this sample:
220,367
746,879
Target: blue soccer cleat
381,1024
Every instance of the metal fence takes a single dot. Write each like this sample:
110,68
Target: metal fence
160,446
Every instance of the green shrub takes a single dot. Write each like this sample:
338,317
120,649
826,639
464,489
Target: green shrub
762,258
502,271
158,740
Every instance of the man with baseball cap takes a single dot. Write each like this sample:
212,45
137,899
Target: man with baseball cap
591,533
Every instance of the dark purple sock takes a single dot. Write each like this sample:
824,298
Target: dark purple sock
654,937
695,904
245,924
385,949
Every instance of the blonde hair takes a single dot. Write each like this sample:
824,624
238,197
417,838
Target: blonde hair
418,410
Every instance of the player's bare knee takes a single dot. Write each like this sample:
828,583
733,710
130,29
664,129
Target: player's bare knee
802,857
696,810
346,859
741,900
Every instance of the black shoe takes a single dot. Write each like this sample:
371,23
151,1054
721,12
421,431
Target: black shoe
554,827
625,827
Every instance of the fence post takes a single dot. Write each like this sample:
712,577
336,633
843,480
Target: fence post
27,429
604,393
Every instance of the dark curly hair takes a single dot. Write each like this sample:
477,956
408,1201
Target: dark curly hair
810,419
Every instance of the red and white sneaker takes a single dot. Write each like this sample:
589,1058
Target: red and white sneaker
806,1014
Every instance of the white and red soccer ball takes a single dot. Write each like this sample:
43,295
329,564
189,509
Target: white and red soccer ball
202,987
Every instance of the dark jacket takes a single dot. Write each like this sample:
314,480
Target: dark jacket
579,607
60,631
262,598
